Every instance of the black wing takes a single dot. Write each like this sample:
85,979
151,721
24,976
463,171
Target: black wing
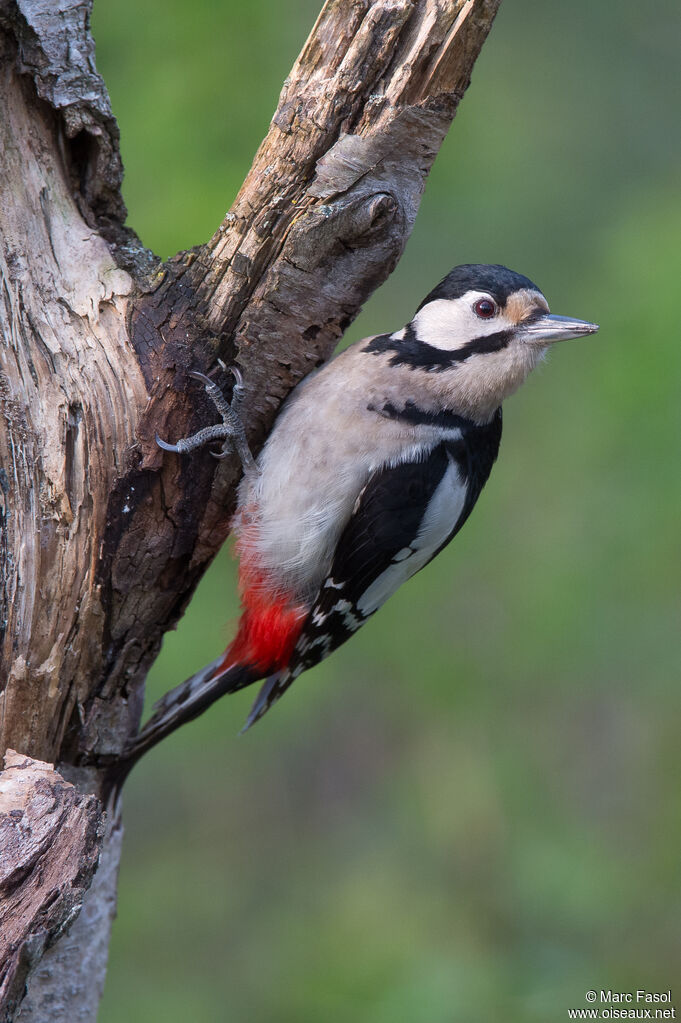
379,549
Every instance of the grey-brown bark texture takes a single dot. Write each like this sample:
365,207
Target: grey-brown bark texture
50,836
103,536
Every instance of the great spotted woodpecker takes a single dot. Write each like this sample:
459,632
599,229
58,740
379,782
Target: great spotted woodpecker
374,464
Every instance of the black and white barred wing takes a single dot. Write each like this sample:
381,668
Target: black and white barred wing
402,518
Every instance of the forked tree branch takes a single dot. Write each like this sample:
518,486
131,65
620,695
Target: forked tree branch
104,537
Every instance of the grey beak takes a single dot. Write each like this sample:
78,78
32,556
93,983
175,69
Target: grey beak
549,328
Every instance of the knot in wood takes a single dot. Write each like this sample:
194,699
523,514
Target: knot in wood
369,214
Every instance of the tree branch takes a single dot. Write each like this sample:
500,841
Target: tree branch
318,224
104,538
50,837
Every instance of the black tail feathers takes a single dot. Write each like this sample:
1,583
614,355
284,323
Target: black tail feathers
185,702
272,689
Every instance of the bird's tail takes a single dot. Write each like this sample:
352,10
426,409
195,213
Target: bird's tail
268,630
272,689
187,701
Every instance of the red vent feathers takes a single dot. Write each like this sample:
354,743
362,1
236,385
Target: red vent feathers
269,627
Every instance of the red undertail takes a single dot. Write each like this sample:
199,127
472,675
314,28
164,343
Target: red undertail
269,627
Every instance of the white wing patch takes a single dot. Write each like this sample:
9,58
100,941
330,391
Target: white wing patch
439,520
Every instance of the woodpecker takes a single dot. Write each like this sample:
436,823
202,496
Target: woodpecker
374,464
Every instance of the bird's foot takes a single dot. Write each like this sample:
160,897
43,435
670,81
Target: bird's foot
230,430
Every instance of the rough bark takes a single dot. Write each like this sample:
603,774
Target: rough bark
104,537
50,837
66,986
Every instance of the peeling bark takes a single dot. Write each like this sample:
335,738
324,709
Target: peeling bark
104,538
67,984
50,837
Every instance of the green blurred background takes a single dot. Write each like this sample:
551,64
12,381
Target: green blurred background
471,812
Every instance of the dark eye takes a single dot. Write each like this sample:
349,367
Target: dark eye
485,308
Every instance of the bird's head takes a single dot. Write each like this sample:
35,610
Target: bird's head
490,326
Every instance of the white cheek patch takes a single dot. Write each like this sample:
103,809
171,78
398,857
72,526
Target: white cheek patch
450,323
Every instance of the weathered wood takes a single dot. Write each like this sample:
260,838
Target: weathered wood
93,369
67,984
68,383
50,837
319,223
104,537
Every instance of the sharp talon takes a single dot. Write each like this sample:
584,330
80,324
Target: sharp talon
166,446
201,376
230,431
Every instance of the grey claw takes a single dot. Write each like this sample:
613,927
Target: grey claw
231,429
201,376
166,446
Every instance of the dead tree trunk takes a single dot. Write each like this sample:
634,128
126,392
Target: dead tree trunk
103,538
